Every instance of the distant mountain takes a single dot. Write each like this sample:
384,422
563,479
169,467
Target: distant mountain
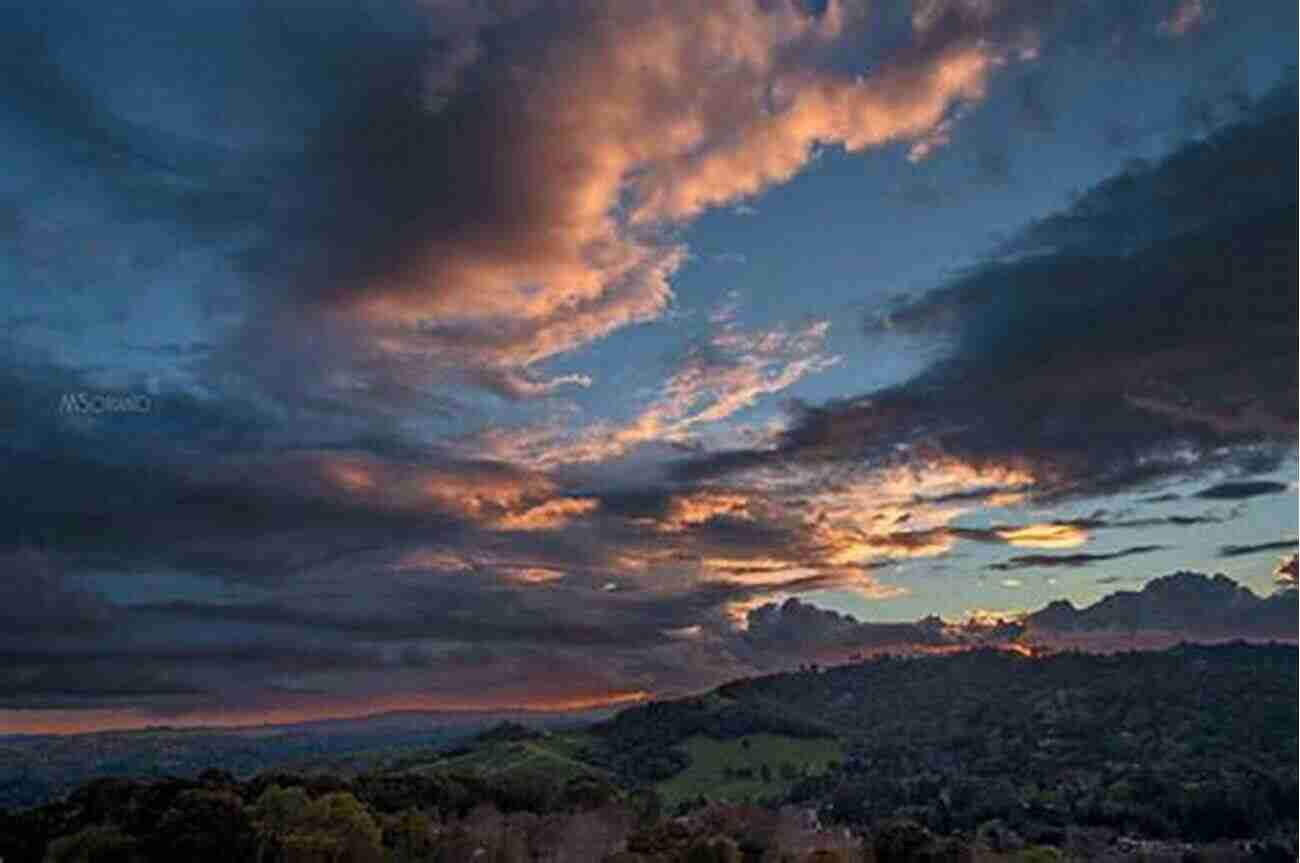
1186,602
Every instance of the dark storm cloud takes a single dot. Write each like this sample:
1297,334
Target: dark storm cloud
471,613
1071,561
1241,550
37,599
1241,490
220,487
1150,334
32,682
1167,497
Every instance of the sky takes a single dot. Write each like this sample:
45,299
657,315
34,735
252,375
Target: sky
440,354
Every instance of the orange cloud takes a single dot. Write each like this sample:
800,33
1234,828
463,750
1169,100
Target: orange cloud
549,515
534,575
896,104
891,512
433,559
687,510
633,117
496,496
1043,536
350,476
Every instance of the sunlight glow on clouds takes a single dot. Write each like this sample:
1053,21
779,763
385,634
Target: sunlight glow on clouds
472,388
711,383
640,119
1044,536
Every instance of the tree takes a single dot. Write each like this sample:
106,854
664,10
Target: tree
334,828
647,804
587,791
340,826
409,836
898,840
274,816
99,844
719,849
203,826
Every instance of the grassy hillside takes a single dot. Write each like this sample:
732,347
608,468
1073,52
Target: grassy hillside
752,768
557,755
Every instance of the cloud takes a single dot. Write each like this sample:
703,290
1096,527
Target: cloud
1179,607
488,189
549,515
784,634
711,383
1057,345
1241,550
1184,605
338,244
37,599
1073,561
1241,490
1051,535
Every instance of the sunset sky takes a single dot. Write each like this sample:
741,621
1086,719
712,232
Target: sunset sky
440,354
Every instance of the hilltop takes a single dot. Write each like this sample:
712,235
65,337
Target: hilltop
1195,744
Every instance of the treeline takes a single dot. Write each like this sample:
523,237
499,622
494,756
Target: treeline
967,757
411,818
216,812
285,818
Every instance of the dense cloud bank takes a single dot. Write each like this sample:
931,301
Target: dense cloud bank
325,249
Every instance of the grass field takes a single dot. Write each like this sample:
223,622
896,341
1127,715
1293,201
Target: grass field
718,766
553,754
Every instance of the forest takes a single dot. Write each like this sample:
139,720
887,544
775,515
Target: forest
1180,755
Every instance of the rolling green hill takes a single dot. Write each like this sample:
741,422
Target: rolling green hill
1193,744
753,768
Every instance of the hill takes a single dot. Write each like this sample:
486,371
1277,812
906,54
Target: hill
1194,741
1194,744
